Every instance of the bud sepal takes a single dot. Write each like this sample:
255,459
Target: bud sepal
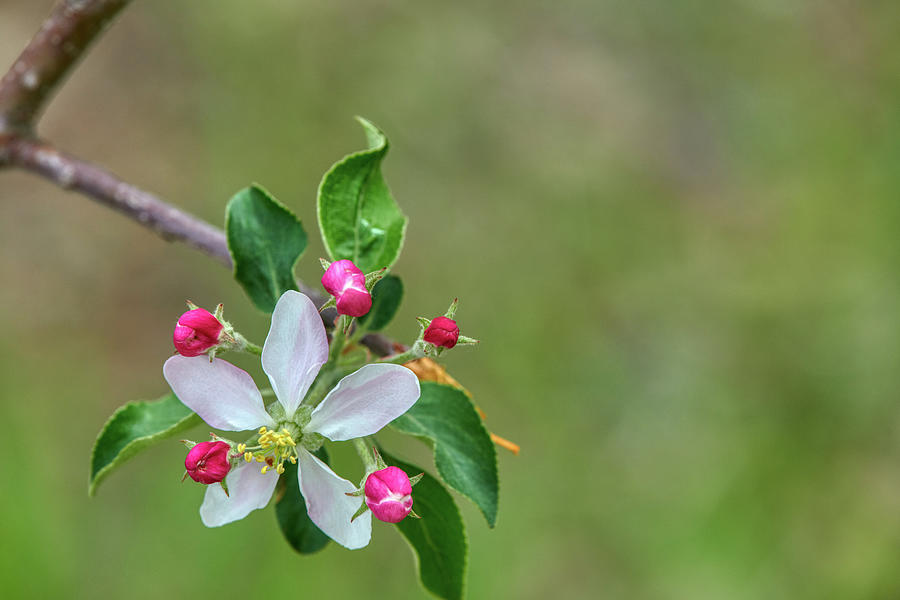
199,331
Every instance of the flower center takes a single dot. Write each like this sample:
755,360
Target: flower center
272,449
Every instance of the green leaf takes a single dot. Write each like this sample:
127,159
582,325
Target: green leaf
265,240
386,297
134,427
290,509
438,539
358,217
463,452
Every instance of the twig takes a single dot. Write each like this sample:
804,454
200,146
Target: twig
71,173
25,90
48,58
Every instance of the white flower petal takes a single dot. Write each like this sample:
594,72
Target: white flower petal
365,401
223,395
248,490
295,349
328,505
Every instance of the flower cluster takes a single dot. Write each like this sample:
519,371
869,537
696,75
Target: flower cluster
345,384
292,427
241,475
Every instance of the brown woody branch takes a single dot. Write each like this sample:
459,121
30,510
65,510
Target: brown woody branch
49,57
24,92
71,173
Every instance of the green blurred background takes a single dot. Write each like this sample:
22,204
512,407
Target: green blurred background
674,225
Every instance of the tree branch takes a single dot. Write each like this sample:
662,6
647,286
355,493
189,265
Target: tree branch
25,90
48,58
71,173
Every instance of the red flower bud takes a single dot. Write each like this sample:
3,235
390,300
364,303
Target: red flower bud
389,494
196,332
347,284
442,332
207,462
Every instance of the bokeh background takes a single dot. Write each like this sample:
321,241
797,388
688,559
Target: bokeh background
674,225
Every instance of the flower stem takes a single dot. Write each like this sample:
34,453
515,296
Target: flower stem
320,388
242,344
415,352
359,332
338,338
365,454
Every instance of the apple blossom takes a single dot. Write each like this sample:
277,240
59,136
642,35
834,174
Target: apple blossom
227,398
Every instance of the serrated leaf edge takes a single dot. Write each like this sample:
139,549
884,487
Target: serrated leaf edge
95,480
381,150
465,579
433,443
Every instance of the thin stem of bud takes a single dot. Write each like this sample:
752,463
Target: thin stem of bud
242,344
365,454
338,338
415,352
252,348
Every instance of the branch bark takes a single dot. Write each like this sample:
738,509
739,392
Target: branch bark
24,92
71,173
49,57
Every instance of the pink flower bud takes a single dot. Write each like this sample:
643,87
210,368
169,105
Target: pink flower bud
207,462
347,284
196,332
442,332
388,494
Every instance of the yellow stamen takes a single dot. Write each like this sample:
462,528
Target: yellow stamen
274,447
241,448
